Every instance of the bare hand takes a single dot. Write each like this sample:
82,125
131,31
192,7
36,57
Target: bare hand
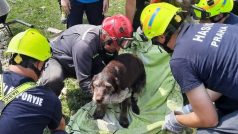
105,6
65,4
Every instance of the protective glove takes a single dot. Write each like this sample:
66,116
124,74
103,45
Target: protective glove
187,109
172,124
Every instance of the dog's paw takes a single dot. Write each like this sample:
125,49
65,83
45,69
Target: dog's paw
98,115
124,122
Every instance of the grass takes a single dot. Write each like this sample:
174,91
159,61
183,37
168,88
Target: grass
44,14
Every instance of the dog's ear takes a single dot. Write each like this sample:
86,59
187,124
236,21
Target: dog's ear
91,84
117,81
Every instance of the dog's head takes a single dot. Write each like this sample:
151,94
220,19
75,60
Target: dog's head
103,86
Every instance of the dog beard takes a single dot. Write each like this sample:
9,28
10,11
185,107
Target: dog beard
115,98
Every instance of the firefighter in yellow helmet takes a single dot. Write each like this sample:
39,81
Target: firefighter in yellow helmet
25,107
214,11
219,11
204,56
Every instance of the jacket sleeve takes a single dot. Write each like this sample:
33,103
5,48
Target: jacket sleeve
82,57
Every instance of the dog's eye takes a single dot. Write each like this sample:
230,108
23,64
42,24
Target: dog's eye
108,85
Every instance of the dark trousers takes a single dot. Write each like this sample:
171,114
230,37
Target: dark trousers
93,12
228,124
140,5
227,110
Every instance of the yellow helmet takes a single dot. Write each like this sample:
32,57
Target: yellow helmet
30,43
155,18
209,8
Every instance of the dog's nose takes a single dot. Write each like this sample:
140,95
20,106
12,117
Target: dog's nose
99,100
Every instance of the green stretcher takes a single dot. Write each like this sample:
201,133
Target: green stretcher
160,95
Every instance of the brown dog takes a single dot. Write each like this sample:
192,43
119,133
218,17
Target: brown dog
123,73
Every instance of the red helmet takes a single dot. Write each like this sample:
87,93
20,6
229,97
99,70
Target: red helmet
117,26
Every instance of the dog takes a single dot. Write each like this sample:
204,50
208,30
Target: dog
124,72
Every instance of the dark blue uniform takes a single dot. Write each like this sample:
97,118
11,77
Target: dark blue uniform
31,111
224,104
232,19
207,53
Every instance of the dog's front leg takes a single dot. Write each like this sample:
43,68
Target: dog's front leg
100,111
123,120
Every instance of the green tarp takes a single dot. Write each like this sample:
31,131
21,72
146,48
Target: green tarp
160,95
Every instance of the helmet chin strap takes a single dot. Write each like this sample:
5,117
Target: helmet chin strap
36,70
216,19
164,45
168,34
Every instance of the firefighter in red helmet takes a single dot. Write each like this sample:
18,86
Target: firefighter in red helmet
83,51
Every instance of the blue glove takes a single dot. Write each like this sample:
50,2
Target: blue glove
172,124
187,109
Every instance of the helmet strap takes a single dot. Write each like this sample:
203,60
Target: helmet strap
163,45
36,70
217,18
26,62
102,39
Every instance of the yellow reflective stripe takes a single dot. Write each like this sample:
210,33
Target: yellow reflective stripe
1,87
20,89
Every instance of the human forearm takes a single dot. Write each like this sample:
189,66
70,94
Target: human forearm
66,6
61,128
194,121
204,113
105,6
130,9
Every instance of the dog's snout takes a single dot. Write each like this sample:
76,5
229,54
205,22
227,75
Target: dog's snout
99,99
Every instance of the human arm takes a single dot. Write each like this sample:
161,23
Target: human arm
66,6
57,124
187,75
204,113
105,6
82,59
213,95
130,8
61,128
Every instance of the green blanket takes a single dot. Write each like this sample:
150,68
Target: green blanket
160,95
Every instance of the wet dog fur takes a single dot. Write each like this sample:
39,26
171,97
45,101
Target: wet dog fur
125,71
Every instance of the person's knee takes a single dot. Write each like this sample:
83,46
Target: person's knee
52,74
